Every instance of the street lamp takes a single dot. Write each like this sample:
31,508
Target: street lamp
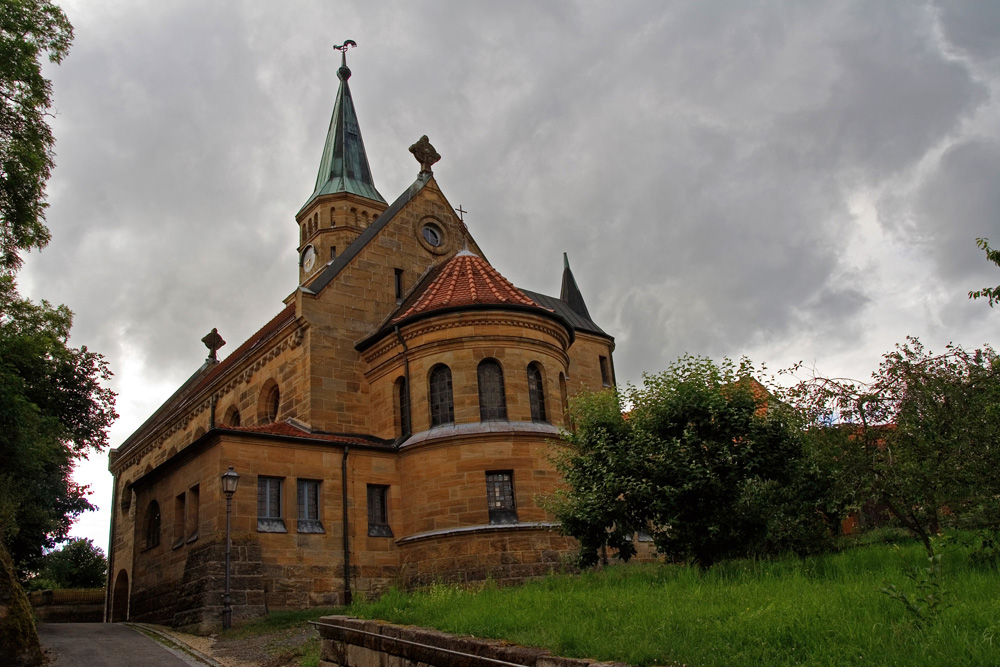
230,480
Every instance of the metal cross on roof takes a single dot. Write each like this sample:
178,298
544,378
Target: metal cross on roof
461,213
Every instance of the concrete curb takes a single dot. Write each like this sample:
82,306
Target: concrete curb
175,644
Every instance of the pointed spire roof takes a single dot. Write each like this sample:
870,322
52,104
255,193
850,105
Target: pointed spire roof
344,165
570,293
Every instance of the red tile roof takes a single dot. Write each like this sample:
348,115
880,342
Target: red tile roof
181,400
264,334
466,279
286,429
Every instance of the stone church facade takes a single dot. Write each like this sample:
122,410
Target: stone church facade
392,424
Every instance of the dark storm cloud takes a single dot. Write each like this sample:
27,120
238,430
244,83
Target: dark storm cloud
696,160
958,203
972,27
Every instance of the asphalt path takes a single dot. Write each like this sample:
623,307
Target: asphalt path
106,645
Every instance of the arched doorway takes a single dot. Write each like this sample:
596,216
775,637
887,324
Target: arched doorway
119,601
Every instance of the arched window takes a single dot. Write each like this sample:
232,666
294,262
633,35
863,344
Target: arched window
232,416
564,398
402,400
273,404
269,403
536,392
152,525
442,401
492,402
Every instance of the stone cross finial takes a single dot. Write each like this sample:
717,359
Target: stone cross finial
425,154
213,341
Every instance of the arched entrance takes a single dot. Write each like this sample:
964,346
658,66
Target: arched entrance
119,600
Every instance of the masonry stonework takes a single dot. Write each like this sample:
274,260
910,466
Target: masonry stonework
372,448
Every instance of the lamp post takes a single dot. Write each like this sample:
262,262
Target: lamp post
230,480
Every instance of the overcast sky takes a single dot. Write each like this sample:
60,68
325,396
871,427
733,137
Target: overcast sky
787,181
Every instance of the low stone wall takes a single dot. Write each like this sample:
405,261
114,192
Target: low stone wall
68,605
505,554
353,642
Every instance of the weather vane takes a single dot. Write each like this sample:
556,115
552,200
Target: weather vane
343,47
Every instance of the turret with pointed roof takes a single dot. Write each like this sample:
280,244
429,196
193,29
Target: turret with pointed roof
344,200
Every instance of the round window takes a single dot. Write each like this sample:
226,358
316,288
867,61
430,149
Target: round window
432,235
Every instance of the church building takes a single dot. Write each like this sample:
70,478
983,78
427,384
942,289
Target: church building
392,424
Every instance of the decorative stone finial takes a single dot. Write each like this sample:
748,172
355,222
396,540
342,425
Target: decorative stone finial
344,73
425,154
213,341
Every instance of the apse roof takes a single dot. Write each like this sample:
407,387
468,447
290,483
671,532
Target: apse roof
464,280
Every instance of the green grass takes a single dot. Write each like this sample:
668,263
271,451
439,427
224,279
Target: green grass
825,610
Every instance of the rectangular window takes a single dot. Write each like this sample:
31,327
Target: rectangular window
605,372
194,502
333,252
178,521
269,505
378,511
308,495
500,497
399,285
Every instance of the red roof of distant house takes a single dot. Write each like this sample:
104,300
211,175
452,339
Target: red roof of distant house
466,279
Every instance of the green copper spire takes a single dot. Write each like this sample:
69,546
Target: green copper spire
344,166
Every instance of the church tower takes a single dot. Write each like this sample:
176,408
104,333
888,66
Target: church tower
344,201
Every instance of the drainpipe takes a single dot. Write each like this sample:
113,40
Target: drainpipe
347,548
406,375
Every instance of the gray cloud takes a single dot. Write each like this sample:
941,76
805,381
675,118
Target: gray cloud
707,166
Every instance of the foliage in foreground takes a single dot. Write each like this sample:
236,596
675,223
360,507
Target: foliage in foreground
78,564
705,461
820,610
921,439
29,29
53,410
991,294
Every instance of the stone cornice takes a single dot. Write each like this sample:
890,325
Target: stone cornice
202,402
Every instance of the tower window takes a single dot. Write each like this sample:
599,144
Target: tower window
605,372
398,284
432,235
536,392
492,402
442,400
500,497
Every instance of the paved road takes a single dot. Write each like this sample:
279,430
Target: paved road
106,645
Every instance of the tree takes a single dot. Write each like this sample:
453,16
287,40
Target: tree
992,294
79,564
54,409
28,29
706,461
922,438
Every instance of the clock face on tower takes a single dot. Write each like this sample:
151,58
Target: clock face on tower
308,258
